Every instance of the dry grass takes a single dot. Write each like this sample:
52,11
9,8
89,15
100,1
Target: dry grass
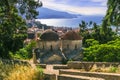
110,69
19,72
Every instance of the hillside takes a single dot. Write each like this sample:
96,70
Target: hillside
45,13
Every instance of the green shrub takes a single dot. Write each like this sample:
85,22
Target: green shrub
109,52
91,42
24,53
113,69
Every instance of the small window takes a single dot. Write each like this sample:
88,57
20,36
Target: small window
67,46
51,48
75,46
43,47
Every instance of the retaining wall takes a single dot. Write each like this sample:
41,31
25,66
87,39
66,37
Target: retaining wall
82,65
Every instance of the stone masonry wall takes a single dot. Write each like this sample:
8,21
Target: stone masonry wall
81,65
54,51
64,44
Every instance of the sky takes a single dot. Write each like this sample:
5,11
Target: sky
83,7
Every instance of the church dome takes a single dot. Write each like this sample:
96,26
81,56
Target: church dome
49,35
71,35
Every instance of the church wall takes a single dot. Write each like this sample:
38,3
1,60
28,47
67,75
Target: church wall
71,44
64,44
68,48
48,45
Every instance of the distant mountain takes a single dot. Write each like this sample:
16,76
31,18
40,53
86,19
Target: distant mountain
45,13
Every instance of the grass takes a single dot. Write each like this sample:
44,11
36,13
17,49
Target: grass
110,69
19,72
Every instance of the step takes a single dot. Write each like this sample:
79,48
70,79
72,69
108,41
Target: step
106,76
74,77
41,65
60,67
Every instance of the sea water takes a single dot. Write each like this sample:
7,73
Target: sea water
71,22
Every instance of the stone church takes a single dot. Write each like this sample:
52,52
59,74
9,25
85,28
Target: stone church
56,50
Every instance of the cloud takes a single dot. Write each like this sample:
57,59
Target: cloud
84,7
102,2
98,0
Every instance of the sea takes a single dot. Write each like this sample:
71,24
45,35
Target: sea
71,22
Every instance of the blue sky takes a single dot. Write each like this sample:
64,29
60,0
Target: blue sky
83,7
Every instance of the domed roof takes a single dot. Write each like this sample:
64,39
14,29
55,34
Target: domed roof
71,35
49,35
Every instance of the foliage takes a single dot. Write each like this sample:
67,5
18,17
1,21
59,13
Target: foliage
40,70
24,53
12,26
19,72
113,13
100,42
84,31
110,69
91,42
109,52
113,69
84,27
96,33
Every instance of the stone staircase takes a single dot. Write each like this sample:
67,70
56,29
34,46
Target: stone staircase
63,72
77,75
74,75
55,72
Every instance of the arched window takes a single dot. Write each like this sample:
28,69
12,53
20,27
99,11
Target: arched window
67,46
75,46
43,47
51,48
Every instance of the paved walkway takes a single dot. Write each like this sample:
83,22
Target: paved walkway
49,70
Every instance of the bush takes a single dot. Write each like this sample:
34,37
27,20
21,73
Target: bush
109,52
113,69
24,53
90,42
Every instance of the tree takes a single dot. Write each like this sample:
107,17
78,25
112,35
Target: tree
113,13
12,25
84,31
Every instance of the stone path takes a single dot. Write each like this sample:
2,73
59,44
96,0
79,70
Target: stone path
49,70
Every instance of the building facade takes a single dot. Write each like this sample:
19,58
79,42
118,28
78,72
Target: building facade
55,50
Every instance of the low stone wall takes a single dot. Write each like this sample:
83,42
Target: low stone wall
41,65
69,77
60,67
106,76
13,62
83,65
74,77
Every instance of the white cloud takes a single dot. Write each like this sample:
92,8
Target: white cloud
99,10
99,0
89,10
103,2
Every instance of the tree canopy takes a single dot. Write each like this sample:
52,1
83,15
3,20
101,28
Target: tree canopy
12,25
113,13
